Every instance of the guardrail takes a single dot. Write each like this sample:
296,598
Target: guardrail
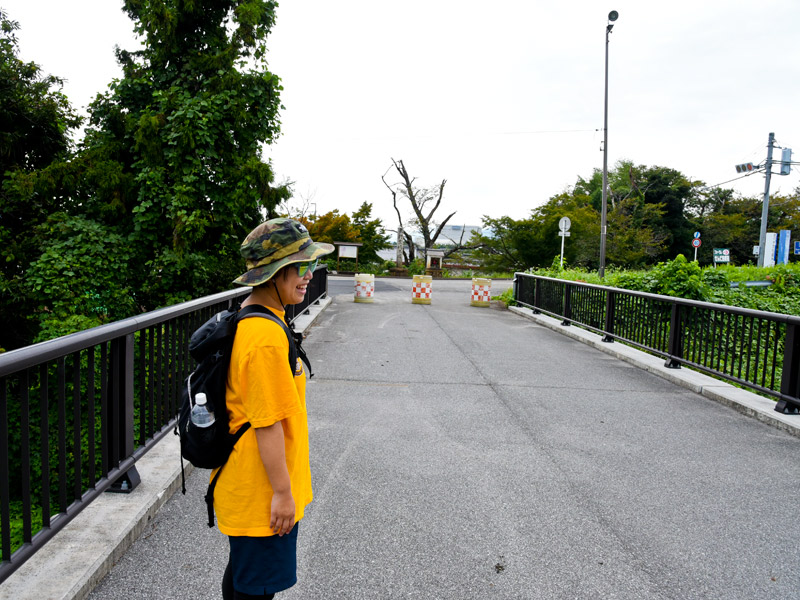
755,349
77,412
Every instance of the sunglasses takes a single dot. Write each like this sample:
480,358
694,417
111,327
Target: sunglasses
306,267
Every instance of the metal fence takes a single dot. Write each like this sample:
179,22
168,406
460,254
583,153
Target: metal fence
77,412
755,349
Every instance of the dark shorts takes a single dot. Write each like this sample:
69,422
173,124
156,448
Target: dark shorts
264,565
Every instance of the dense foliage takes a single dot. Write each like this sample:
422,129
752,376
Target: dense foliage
652,212
35,121
151,207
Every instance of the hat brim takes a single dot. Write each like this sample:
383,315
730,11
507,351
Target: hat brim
264,273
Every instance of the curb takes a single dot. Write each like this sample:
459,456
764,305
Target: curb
743,401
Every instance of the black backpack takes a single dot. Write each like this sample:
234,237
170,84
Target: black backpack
211,346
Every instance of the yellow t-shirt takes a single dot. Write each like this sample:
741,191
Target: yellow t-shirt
263,390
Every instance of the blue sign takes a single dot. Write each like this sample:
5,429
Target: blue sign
784,242
797,247
696,234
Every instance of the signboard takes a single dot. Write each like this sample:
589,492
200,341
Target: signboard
784,242
769,250
797,247
564,224
696,234
348,251
696,243
722,255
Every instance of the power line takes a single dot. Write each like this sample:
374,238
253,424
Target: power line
734,179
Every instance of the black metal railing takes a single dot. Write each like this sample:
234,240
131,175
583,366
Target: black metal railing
77,412
755,349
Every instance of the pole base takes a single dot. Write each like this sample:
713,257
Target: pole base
787,408
127,483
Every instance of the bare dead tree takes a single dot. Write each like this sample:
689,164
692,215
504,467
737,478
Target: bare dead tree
420,199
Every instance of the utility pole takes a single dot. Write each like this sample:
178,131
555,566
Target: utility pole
762,238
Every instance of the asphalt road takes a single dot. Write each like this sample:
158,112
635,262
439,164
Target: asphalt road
462,452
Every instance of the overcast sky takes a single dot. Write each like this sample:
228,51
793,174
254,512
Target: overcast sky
502,99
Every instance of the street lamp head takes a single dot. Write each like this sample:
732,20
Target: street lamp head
613,15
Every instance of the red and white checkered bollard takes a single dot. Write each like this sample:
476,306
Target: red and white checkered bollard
421,288
481,292
365,287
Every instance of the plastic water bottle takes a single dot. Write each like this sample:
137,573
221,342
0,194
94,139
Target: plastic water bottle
201,416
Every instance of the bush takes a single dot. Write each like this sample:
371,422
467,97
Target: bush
643,281
687,280
507,297
416,267
716,279
682,279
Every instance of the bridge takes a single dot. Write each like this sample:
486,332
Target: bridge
465,452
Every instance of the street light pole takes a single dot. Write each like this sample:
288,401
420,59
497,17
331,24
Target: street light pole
612,16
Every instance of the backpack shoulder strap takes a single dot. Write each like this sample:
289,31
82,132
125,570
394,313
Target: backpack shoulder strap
295,339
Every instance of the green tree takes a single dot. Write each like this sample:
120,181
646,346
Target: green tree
667,189
508,244
331,227
195,107
370,233
361,229
171,160
634,237
76,282
35,121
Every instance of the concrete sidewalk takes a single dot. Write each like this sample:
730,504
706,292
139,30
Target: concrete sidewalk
462,452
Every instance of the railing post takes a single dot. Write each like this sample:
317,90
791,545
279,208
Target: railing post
122,412
675,347
537,295
324,283
515,286
567,304
790,380
608,327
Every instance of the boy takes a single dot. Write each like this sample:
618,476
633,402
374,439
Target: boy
266,484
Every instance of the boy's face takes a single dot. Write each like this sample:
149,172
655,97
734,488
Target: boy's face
291,286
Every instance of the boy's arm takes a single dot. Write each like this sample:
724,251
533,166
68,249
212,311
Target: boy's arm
273,455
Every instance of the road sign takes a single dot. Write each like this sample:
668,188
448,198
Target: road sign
797,247
696,242
563,225
696,234
722,255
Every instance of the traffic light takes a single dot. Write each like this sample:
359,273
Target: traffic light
745,168
786,161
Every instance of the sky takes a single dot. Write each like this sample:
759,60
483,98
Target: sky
504,100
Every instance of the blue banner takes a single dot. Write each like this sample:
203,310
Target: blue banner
784,244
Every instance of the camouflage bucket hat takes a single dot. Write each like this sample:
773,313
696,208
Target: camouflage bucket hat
275,244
